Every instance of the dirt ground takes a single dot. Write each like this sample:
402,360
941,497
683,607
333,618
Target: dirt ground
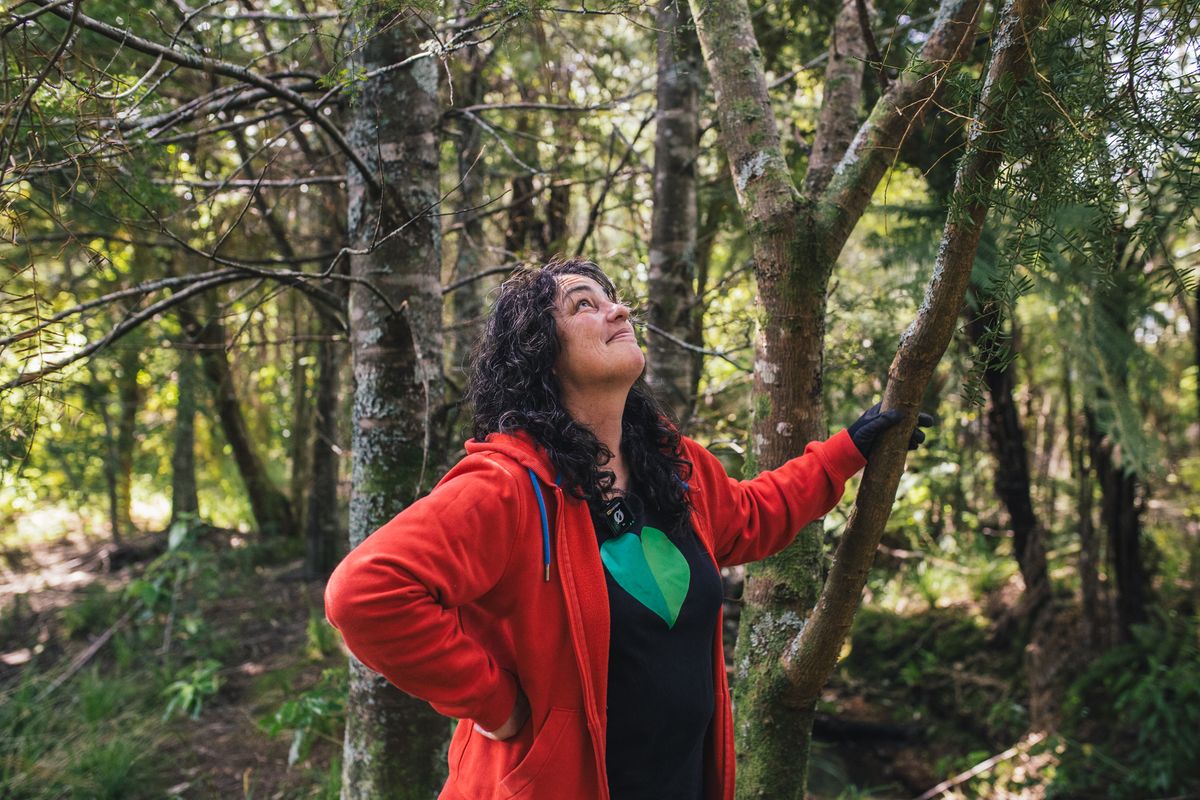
224,753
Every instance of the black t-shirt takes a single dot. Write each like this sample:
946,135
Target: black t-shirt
664,594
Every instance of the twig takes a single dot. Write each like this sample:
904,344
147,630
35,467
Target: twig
983,766
218,67
594,216
458,284
695,349
84,657
864,22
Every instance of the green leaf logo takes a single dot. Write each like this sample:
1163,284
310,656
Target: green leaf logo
651,569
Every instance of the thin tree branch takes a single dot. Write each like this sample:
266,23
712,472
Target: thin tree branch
983,766
27,98
608,182
657,331
461,282
78,237
221,276
864,22
840,97
246,183
217,67
897,112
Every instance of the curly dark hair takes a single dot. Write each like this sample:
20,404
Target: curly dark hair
512,387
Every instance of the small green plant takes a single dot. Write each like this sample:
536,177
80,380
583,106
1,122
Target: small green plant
97,609
316,713
320,638
107,769
1131,722
193,685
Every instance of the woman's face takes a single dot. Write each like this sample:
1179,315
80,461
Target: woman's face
597,346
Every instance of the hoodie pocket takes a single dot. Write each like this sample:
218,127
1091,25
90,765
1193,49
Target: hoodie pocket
560,723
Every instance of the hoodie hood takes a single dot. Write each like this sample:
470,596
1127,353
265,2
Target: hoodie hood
520,447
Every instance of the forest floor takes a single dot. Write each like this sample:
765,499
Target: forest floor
918,699
58,599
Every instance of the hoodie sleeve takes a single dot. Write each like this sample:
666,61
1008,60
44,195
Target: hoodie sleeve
394,596
753,519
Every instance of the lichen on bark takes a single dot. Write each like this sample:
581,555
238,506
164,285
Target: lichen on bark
393,741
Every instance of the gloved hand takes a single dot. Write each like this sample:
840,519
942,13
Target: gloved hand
867,430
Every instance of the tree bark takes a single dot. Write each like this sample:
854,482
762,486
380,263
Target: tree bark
302,418
466,301
184,499
129,398
672,294
393,742
1121,517
1006,435
841,97
1089,548
96,395
323,523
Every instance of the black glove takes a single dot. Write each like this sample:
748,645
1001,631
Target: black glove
867,430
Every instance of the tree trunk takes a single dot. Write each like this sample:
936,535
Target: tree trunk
558,212
466,301
672,294
921,347
1006,435
129,398
393,741
522,237
272,512
302,414
1089,548
323,524
796,240
841,97
184,499
96,395
1120,515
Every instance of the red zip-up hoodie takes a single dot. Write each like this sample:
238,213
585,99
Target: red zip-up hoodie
450,601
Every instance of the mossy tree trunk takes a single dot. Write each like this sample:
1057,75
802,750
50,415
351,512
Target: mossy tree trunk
796,239
672,296
467,299
323,521
394,742
814,654
184,499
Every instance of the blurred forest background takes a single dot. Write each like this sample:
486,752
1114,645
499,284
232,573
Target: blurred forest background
247,245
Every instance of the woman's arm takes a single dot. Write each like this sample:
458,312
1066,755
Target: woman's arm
393,597
753,519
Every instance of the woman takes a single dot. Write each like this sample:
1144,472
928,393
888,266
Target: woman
559,591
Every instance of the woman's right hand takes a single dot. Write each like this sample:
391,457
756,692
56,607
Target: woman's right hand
515,721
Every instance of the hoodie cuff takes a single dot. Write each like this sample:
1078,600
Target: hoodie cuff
842,456
500,705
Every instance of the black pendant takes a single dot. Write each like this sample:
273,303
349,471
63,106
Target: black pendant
619,516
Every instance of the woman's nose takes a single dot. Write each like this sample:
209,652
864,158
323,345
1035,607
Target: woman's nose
618,311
